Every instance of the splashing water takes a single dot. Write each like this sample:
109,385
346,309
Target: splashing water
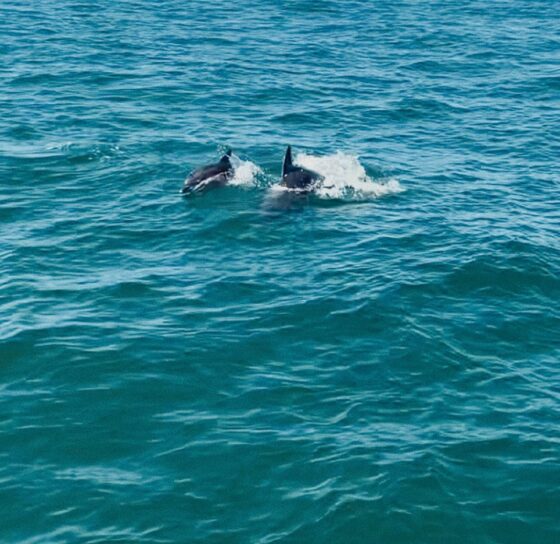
345,178
246,172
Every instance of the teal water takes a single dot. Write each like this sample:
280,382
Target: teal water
375,364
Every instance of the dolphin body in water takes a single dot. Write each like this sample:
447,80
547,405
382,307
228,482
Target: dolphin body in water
210,176
301,183
297,177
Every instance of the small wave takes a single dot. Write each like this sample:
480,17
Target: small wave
345,178
83,152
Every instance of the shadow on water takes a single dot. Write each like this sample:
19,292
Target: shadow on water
277,201
269,200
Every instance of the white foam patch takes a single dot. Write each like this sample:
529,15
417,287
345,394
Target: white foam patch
245,172
345,178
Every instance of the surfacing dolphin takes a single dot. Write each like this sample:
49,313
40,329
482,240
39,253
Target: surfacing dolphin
210,176
297,177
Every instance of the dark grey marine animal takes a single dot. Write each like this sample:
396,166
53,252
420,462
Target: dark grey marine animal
210,176
297,177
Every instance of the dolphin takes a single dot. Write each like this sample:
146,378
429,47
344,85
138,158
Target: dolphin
209,176
297,177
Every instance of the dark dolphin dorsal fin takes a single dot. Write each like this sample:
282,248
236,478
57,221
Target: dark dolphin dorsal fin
226,157
287,164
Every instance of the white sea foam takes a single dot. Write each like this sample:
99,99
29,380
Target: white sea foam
345,178
245,172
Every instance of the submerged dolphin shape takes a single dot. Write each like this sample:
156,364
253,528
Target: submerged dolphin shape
297,177
209,176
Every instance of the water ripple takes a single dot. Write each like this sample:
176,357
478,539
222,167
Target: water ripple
377,362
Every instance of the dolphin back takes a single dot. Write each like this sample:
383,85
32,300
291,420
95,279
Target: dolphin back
297,177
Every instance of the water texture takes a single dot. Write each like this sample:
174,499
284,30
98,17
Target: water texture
377,363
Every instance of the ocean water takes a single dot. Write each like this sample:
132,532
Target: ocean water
374,363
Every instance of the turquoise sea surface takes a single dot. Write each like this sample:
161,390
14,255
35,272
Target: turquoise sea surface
374,363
